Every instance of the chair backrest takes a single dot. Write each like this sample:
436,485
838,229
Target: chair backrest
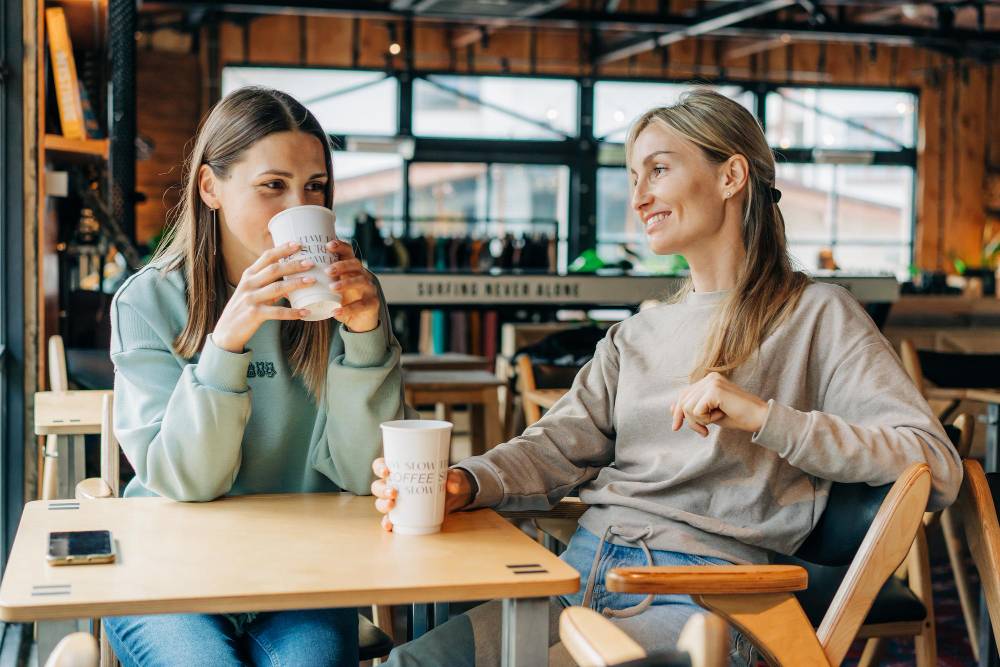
58,377
911,363
109,446
977,507
959,369
883,548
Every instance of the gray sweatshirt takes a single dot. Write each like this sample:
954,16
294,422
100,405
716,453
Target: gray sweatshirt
840,408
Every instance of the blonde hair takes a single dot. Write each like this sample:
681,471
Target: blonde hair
192,245
767,287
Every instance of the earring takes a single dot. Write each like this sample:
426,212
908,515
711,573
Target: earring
728,195
215,236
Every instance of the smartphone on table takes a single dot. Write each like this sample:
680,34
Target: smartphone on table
81,547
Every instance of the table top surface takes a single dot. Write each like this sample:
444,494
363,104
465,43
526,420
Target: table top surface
266,552
420,379
68,412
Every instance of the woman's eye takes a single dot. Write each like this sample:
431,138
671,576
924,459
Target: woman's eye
273,185
659,171
316,186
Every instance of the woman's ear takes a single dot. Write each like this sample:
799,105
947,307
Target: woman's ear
734,175
207,184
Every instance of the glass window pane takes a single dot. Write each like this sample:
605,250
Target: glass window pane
618,103
827,118
494,107
344,101
867,208
367,183
445,190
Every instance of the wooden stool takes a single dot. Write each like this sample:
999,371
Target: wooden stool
477,389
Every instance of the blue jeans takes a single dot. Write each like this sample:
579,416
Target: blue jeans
315,637
473,639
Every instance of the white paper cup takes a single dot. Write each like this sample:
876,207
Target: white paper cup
417,453
312,228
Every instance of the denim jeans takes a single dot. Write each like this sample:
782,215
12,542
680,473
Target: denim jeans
315,637
473,639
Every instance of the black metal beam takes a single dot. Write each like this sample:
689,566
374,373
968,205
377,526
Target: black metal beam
706,22
12,279
958,39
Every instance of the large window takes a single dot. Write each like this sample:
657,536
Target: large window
492,156
344,101
494,107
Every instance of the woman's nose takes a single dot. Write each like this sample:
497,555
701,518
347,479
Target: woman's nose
640,197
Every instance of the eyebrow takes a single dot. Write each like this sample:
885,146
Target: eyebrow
651,156
278,172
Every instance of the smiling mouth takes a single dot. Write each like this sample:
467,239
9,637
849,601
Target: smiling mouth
656,219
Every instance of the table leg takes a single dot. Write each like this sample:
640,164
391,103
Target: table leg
63,464
50,468
992,463
493,428
525,632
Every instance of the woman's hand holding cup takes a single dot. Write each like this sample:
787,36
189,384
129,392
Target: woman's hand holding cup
256,295
359,304
458,491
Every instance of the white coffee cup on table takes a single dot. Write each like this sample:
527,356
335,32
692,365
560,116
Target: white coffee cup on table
312,227
417,453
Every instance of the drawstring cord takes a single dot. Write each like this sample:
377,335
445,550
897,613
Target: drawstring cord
588,594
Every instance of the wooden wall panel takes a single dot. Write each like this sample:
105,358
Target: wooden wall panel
169,126
276,40
232,44
328,41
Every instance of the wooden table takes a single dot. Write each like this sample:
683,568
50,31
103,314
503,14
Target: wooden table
449,361
66,416
477,389
274,552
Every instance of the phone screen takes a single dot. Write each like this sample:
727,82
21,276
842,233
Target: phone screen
79,543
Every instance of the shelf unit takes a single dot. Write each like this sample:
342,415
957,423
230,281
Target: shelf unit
57,146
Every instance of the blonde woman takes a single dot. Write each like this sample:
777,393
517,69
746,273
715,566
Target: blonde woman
222,389
707,430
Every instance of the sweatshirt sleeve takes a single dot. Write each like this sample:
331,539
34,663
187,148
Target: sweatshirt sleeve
567,447
364,387
872,424
180,425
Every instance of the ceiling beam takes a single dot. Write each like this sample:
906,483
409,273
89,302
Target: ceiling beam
896,34
708,21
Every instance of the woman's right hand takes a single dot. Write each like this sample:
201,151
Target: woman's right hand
458,491
261,285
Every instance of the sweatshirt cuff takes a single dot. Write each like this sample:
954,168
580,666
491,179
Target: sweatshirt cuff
222,370
490,487
362,350
783,427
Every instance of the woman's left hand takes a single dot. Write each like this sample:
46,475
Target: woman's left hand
716,400
359,304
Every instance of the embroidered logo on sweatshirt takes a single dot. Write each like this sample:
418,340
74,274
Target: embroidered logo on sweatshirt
261,369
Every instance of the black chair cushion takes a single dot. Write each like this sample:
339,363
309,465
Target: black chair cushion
895,603
372,642
993,480
958,369
841,529
90,369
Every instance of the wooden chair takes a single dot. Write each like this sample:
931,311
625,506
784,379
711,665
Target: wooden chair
594,641
869,529
58,381
373,642
977,505
75,650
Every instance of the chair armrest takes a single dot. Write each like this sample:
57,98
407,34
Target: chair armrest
567,508
594,640
708,579
93,488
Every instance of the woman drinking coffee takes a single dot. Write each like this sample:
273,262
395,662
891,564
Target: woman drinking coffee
222,389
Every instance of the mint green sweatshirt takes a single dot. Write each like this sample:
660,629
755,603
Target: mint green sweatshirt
233,424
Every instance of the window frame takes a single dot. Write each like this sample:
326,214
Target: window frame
584,154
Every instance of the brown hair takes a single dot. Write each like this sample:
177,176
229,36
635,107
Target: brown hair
767,287
236,123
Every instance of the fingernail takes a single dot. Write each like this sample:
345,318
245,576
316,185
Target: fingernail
306,263
303,312
308,279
